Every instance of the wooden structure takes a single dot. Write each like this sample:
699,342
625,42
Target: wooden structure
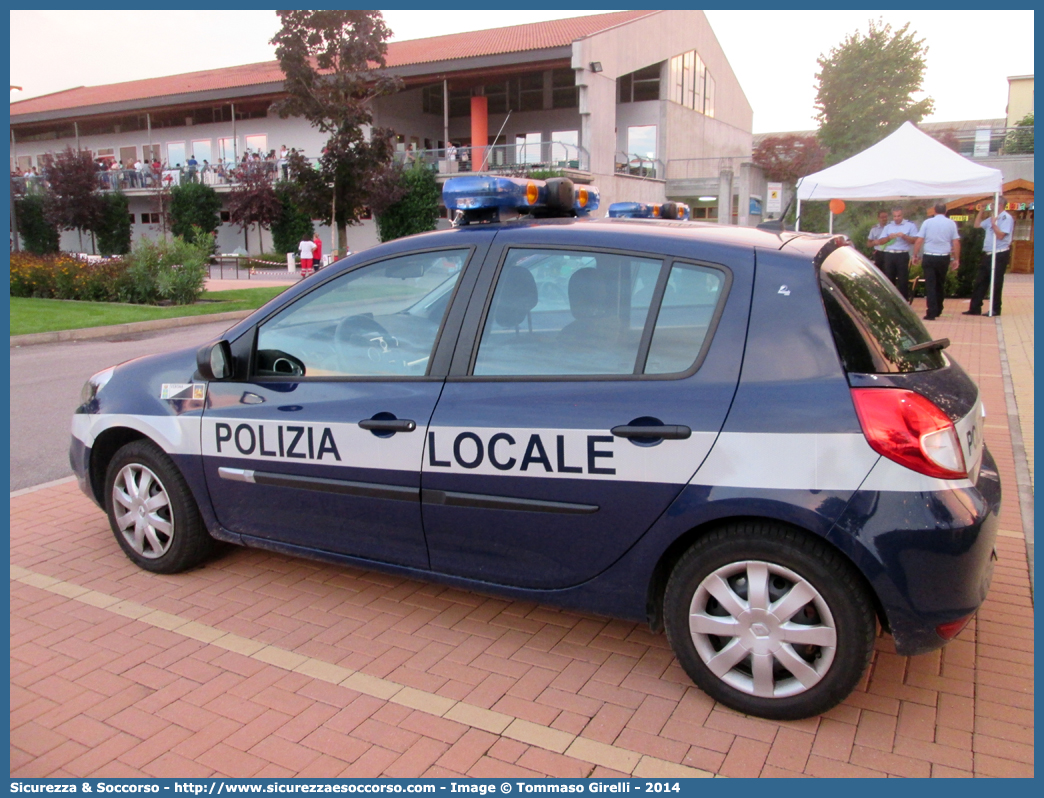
1019,194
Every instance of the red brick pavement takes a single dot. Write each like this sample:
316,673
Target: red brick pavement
261,665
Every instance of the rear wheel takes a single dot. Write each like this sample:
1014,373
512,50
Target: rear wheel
769,620
151,510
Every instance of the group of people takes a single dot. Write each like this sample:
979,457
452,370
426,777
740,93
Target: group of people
936,245
311,252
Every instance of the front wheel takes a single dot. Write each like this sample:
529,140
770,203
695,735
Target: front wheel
151,510
769,620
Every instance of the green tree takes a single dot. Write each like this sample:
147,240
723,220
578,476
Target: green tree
293,224
39,232
417,208
333,64
113,227
194,205
866,87
1020,140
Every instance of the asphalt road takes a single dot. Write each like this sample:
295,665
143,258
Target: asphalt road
45,387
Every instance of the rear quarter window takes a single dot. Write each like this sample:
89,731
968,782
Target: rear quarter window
872,325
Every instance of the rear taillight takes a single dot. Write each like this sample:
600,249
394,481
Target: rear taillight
948,631
907,428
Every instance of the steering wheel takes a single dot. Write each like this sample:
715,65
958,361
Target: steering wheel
363,332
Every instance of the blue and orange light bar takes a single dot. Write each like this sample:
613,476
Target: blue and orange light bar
481,195
642,210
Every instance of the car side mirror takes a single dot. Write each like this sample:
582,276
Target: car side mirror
214,361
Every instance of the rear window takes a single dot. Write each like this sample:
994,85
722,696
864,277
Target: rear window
873,326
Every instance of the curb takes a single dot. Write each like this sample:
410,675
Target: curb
87,333
1018,446
42,486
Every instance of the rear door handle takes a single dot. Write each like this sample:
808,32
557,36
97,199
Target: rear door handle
668,431
388,424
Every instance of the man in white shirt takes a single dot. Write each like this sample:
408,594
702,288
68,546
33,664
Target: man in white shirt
999,228
941,244
876,240
900,235
307,249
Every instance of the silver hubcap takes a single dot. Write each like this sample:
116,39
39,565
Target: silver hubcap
143,512
762,629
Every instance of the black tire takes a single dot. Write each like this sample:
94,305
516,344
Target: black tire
168,535
785,562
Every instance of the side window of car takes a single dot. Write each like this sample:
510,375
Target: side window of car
559,312
690,298
381,320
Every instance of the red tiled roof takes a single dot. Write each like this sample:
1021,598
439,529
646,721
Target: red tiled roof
514,39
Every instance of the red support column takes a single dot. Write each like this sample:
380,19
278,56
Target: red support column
479,132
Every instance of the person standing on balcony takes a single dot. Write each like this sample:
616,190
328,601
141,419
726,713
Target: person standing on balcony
999,227
139,171
941,242
283,154
192,165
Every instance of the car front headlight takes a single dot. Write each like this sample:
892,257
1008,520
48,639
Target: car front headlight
95,384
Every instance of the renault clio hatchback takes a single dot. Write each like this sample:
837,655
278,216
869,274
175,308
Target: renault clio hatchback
743,437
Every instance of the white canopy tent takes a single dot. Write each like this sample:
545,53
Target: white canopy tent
908,163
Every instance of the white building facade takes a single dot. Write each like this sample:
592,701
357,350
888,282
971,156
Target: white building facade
643,104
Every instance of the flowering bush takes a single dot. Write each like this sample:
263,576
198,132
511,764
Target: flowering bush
164,271
65,277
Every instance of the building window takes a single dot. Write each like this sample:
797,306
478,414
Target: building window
564,91
201,150
131,215
150,218
641,85
708,101
150,152
497,97
175,153
690,83
564,150
641,141
226,217
431,99
531,92
227,150
528,148
257,143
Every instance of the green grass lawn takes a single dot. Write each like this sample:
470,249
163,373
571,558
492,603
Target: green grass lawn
47,315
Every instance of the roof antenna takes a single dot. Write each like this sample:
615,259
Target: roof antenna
778,224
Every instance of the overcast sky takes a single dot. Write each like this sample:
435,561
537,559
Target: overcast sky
970,55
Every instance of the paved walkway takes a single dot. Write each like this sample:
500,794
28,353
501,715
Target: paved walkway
262,665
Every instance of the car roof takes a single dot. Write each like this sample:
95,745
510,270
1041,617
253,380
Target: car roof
705,232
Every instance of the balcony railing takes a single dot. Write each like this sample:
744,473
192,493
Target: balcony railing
1016,140
508,159
639,166
153,179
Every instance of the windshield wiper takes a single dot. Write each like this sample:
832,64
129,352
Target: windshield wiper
938,343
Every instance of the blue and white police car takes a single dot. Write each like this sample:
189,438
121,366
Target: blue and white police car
742,436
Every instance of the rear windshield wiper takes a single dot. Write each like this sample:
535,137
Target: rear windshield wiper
938,343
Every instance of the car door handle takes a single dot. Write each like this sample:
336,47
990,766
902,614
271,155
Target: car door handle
388,424
668,431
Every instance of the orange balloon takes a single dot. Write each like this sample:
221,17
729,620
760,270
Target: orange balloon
837,206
